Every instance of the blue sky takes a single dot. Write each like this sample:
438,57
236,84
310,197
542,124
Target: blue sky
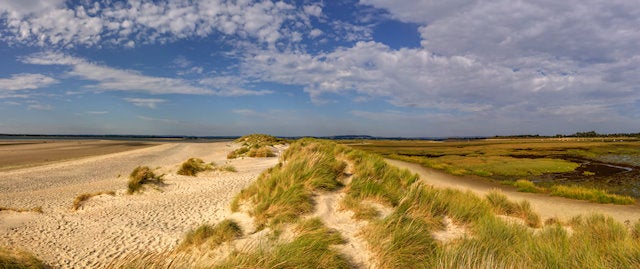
376,67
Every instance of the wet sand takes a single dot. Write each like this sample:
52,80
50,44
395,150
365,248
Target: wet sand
26,153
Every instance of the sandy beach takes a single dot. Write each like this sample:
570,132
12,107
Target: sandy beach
107,227
27,153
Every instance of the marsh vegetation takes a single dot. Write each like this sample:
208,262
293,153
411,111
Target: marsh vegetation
607,169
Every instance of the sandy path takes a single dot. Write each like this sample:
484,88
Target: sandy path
546,206
109,227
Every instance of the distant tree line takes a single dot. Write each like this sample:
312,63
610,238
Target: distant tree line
588,134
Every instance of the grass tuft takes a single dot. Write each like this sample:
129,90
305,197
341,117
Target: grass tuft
283,193
224,231
501,205
524,185
17,259
310,249
255,145
139,176
86,196
593,195
193,166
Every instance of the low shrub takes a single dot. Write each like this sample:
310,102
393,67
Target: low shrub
139,176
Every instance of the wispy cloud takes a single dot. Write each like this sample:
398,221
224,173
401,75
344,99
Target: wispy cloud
34,105
108,78
26,82
145,102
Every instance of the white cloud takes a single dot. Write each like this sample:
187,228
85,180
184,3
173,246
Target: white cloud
108,78
313,10
315,33
26,82
145,102
133,22
231,86
97,112
453,84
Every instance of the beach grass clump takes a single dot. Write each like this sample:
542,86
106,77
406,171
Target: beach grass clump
227,168
376,180
524,185
142,175
593,195
312,248
255,145
18,259
80,199
261,152
283,193
503,206
193,166
213,236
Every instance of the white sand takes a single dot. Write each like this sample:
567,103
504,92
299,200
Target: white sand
109,227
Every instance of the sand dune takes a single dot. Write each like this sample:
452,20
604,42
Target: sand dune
108,227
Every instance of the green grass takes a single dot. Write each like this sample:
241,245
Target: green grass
593,195
139,176
213,236
494,166
375,180
503,206
255,145
80,199
310,249
18,259
403,239
283,193
193,166
524,185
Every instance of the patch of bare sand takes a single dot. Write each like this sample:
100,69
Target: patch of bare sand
546,206
110,227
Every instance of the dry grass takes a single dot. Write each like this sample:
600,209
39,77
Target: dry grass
80,199
310,249
283,193
193,166
142,175
256,145
503,206
37,209
18,259
213,236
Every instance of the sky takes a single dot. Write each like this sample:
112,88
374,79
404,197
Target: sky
411,68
